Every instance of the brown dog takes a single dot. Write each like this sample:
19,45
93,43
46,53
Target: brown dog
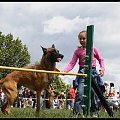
34,81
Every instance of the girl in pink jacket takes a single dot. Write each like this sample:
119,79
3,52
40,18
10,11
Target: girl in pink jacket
78,83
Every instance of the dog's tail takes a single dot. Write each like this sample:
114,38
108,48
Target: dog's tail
2,81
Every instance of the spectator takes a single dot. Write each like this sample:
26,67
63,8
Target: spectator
20,97
61,98
2,97
34,99
52,95
26,95
72,96
49,96
42,99
112,90
107,88
56,103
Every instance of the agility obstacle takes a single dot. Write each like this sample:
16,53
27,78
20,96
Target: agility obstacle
89,81
88,69
41,71
87,75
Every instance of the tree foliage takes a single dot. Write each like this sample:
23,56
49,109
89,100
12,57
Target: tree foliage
12,53
60,86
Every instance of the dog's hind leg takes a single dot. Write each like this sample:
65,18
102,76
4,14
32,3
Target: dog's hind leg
11,93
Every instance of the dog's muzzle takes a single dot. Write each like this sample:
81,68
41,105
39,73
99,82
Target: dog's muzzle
60,58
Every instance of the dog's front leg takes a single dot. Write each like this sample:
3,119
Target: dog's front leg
38,101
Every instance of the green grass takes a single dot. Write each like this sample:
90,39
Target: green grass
48,113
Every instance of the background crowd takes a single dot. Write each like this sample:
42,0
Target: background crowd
27,98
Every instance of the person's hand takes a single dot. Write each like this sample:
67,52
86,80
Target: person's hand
101,73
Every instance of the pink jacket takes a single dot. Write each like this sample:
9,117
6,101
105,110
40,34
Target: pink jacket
80,54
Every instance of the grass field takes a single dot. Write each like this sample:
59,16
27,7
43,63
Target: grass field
48,113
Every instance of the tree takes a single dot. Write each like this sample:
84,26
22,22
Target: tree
59,85
12,53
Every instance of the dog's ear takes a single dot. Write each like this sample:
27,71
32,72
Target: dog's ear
44,49
53,46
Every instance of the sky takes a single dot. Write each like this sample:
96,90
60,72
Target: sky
46,23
